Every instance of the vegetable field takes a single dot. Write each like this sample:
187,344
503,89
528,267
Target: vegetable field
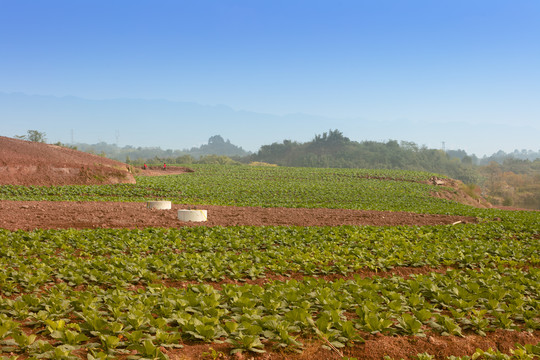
263,186
463,291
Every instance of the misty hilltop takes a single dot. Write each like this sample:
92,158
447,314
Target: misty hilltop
184,125
216,146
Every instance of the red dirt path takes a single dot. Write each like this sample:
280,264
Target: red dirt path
29,215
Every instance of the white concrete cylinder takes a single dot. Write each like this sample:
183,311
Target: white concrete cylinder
160,205
192,215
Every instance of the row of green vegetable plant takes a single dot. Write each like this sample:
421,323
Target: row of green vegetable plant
73,289
275,315
121,257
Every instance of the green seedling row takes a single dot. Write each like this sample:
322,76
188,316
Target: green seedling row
121,256
274,315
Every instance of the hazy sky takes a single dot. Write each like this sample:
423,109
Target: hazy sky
437,61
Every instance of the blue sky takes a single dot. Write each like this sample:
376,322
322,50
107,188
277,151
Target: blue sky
437,61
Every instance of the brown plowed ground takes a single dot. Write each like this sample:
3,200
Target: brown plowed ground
31,163
29,215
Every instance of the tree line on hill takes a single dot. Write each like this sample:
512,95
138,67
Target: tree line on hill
511,179
332,149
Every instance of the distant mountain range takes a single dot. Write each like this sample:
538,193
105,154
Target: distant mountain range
182,125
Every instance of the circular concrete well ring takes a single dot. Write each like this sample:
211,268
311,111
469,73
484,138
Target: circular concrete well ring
193,215
159,205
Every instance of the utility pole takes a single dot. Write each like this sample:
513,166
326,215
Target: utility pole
117,135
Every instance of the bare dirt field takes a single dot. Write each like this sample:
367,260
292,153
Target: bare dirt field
29,215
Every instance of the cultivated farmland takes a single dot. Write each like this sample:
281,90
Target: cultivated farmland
467,284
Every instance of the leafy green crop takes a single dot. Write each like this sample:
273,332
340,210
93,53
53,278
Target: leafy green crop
109,293
263,186
73,287
110,257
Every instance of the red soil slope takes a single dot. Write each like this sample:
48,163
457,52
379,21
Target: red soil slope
30,163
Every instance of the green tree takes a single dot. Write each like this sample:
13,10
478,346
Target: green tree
33,135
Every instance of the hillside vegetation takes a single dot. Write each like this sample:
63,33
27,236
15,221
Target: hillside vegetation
333,150
510,179
508,182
